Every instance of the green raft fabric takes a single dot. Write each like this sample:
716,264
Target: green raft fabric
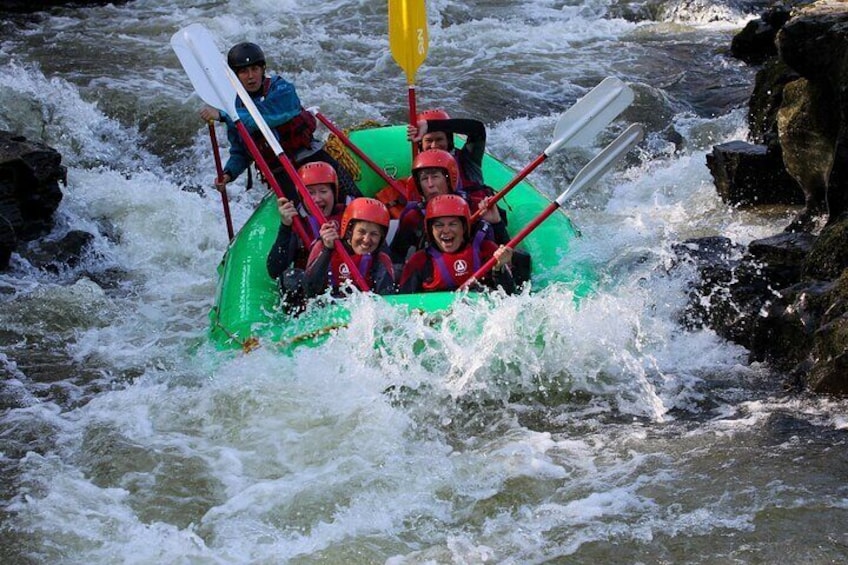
247,307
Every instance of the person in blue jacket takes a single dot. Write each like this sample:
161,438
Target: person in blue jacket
292,125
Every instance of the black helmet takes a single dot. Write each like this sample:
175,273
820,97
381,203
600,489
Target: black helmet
244,55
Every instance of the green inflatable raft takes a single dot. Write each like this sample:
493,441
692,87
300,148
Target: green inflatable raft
248,311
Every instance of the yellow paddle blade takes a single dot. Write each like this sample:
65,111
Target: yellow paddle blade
408,38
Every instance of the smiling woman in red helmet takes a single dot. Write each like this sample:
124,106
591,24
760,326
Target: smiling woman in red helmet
363,233
452,255
288,251
278,102
287,259
435,129
434,172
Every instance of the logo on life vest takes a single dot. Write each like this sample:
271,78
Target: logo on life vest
460,267
344,270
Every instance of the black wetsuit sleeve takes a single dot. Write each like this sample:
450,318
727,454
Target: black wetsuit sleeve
417,270
281,254
383,275
499,233
503,279
403,240
473,130
315,278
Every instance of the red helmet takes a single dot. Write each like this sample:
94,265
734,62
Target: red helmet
367,210
319,172
447,205
436,159
436,114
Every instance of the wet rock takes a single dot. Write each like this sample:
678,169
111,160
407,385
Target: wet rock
755,43
52,256
710,251
716,258
766,99
784,255
815,44
732,297
786,298
30,173
784,331
8,239
828,258
746,174
807,134
829,373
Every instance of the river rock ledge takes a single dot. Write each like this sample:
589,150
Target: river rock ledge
30,173
785,297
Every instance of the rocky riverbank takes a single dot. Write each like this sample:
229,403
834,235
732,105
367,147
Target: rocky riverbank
785,297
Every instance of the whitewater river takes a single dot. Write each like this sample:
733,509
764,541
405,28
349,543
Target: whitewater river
560,431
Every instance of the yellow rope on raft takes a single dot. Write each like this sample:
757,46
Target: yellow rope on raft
247,345
313,334
338,151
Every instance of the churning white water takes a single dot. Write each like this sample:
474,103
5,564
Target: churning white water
558,430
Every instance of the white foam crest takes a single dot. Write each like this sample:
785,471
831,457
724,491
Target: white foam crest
549,39
51,110
545,343
169,241
75,516
577,514
706,13
301,468
162,230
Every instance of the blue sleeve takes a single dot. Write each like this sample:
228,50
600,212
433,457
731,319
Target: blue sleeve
239,158
280,105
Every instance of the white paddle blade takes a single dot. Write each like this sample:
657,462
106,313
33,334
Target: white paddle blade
204,66
592,113
603,161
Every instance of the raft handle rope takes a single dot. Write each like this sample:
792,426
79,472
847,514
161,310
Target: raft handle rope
337,150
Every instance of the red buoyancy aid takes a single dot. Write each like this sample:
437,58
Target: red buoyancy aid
294,135
476,194
298,250
336,217
396,196
450,270
339,272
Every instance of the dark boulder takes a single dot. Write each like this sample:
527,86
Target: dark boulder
746,174
815,45
808,134
829,373
828,258
755,43
53,256
784,332
766,99
30,173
